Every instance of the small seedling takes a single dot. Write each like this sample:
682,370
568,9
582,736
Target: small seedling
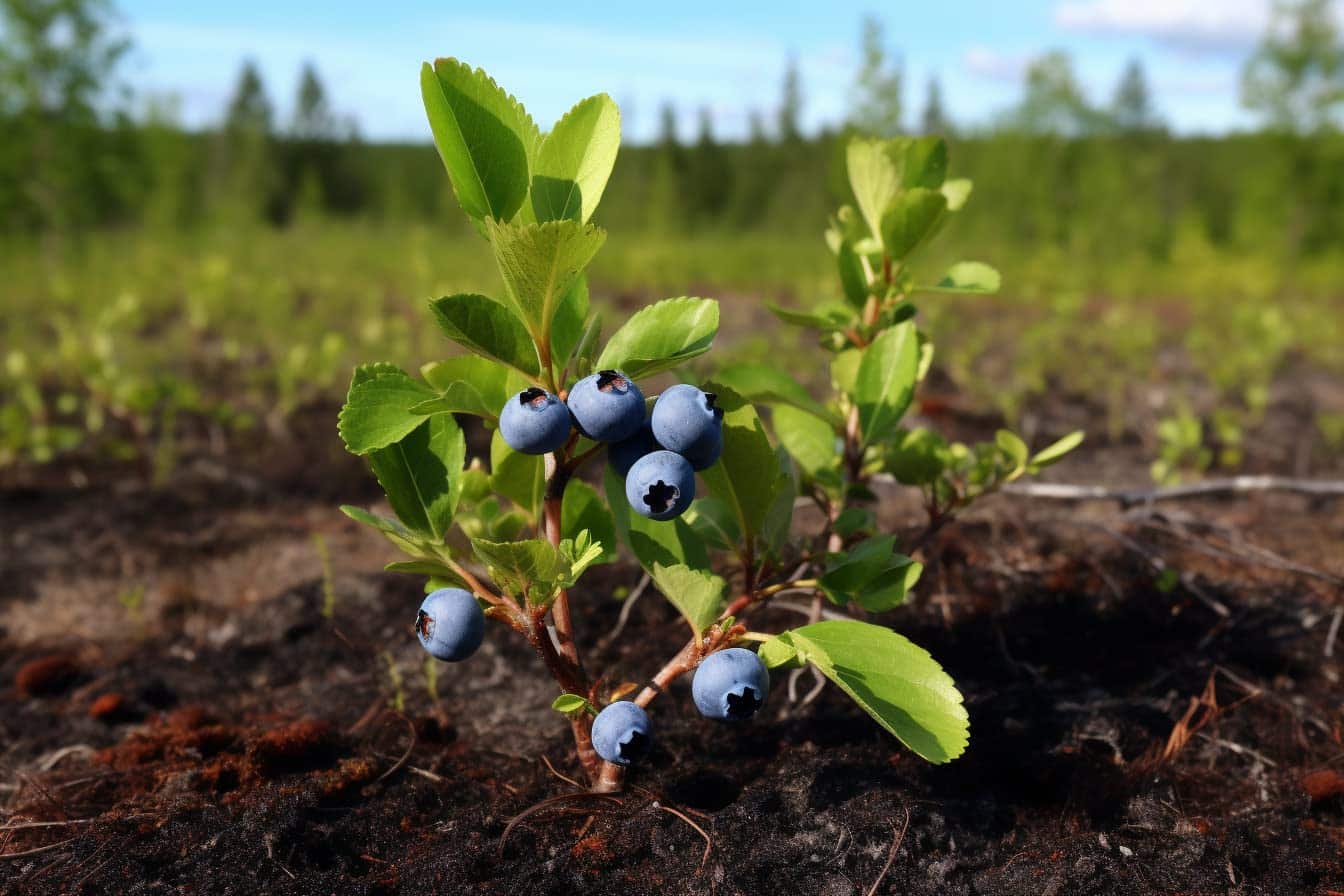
508,537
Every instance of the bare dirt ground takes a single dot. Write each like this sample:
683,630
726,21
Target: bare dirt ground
178,714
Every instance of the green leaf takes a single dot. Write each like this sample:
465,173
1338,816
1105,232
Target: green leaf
570,321
653,543
874,176
487,328
575,161
533,569
572,703
661,336
369,371
910,219
377,411
1054,452
871,574
825,317
422,474
779,515
885,383
580,552
431,568
845,370
485,138
582,510
896,682
768,384
713,520
469,385
967,277
540,264
917,457
519,477
697,594
1013,448
957,192
747,472
381,523
852,277
813,443
925,162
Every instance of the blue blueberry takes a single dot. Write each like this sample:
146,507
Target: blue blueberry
607,406
660,485
687,421
534,422
730,684
450,625
621,733
623,454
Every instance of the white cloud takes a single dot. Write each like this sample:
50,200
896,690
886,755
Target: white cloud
996,66
1206,25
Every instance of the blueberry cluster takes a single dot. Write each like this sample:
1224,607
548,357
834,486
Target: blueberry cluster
658,456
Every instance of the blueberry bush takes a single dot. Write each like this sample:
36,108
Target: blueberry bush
695,486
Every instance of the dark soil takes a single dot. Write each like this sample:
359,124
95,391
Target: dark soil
178,714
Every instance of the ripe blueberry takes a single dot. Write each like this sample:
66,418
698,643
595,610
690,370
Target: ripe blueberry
621,733
660,485
534,422
623,454
450,625
687,421
607,406
730,684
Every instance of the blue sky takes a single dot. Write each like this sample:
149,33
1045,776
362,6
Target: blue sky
727,56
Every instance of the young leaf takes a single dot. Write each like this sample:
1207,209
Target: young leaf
485,138
874,176
487,328
697,594
1055,451
572,703
533,569
575,161
747,472
967,277
911,219
852,277
895,681
377,411
583,510
519,477
885,383
957,192
870,574
824,317
1013,448
769,385
422,474
661,336
540,263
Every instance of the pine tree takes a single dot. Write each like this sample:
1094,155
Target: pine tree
935,120
791,104
878,106
1132,108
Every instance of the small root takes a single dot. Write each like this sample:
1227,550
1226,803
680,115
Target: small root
554,802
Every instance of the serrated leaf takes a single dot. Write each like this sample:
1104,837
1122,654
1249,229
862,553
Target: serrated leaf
533,569
746,473
469,385
911,218
575,160
766,384
1055,451
377,411
519,477
893,680
540,264
974,277
583,510
487,328
875,168
484,136
697,594
885,383
713,520
661,336
421,474
824,317
369,371
571,319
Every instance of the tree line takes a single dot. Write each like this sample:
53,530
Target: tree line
1054,170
